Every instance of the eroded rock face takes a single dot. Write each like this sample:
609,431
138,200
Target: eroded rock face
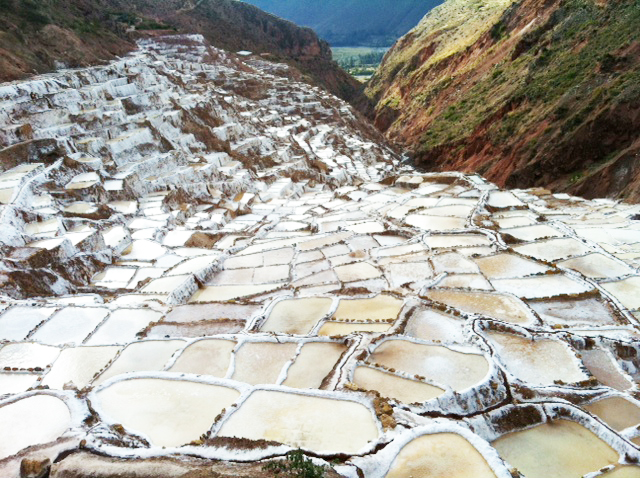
227,266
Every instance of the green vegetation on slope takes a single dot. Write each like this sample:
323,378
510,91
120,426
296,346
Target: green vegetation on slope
552,76
546,93
445,31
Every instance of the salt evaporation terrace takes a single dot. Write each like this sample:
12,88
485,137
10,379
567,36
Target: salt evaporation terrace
204,258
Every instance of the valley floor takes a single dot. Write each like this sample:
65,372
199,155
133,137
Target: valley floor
206,264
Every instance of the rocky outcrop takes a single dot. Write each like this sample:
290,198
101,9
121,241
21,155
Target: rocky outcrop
527,93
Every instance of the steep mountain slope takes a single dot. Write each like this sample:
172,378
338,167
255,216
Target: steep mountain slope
352,22
527,93
38,36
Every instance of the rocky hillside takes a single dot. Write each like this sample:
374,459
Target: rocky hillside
352,22
40,36
527,93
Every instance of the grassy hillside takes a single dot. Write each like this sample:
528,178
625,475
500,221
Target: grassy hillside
352,22
527,93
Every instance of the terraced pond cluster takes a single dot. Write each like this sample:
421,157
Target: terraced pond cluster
203,258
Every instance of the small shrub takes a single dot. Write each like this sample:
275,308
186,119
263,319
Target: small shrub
31,14
296,465
498,31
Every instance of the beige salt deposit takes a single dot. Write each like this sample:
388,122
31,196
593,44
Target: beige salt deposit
168,412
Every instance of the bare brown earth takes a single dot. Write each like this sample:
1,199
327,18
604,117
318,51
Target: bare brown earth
544,94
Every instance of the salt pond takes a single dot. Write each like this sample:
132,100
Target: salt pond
437,363
441,455
540,362
32,421
167,412
559,449
319,424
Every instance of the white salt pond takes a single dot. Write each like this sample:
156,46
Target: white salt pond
82,181
465,281
143,250
499,306
395,387
318,424
231,292
554,249
11,383
597,266
450,241
430,324
262,362
314,363
503,199
402,273
537,287
77,366
81,207
32,421
617,412
297,316
70,325
195,265
626,291
503,266
440,364
532,233
540,362
356,272
18,321
602,366
435,223
122,325
559,449
39,228
569,311
441,455
119,276
205,357
379,308
147,356
197,312
167,412
453,263
27,355
330,328
166,285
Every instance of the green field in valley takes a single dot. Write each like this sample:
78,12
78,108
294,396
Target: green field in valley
359,61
